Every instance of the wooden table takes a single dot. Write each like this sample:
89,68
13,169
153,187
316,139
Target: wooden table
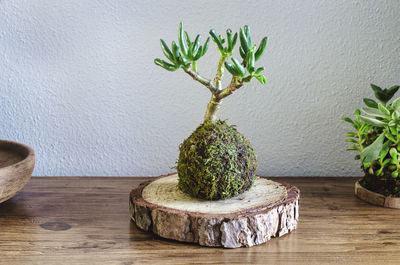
85,220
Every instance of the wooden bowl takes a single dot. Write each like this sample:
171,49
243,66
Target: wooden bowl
16,165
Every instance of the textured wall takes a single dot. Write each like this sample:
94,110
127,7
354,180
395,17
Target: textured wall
78,83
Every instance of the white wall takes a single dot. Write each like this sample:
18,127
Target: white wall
78,83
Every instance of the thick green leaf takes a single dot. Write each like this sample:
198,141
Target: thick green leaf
248,36
196,44
182,41
216,39
261,49
229,38
370,103
242,52
166,65
167,52
205,46
351,134
383,109
384,151
351,140
259,70
374,112
396,104
261,79
243,42
355,148
390,137
239,67
234,40
250,59
231,69
371,153
373,122
393,153
347,119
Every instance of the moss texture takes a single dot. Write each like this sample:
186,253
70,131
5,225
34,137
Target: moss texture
216,162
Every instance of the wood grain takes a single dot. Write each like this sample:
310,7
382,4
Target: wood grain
16,166
72,220
269,209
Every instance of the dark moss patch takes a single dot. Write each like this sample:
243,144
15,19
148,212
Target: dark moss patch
216,162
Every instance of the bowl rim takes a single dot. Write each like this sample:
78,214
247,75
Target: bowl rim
31,152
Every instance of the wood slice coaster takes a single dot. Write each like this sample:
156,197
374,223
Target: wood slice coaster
376,198
269,209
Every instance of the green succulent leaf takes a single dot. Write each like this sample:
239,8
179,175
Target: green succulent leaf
373,122
371,152
370,103
259,70
205,46
261,79
374,112
393,153
242,52
351,134
231,69
396,115
384,151
239,67
165,65
261,49
175,50
248,36
167,52
243,42
229,38
217,40
351,140
234,40
182,42
250,60
355,148
390,137
347,119
187,38
195,47
383,109
396,104
384,95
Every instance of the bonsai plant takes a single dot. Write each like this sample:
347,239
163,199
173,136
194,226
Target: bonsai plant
216,161
376,140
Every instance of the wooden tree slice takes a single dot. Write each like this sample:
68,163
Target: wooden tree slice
269,209
376,198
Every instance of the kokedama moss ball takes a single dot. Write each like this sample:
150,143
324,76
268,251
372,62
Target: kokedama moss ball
216,162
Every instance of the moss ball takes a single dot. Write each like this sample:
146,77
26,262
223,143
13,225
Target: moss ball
216,162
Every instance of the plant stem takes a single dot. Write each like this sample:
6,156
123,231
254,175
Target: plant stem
194,66
212,109
196,76
220,72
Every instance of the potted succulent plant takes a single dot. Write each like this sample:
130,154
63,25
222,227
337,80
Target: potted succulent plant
377,140
205,201
216,161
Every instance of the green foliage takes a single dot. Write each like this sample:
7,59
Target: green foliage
187,53
216,162
250,54
384,95
377,135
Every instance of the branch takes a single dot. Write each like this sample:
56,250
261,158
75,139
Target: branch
235,84
220,72
196,76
